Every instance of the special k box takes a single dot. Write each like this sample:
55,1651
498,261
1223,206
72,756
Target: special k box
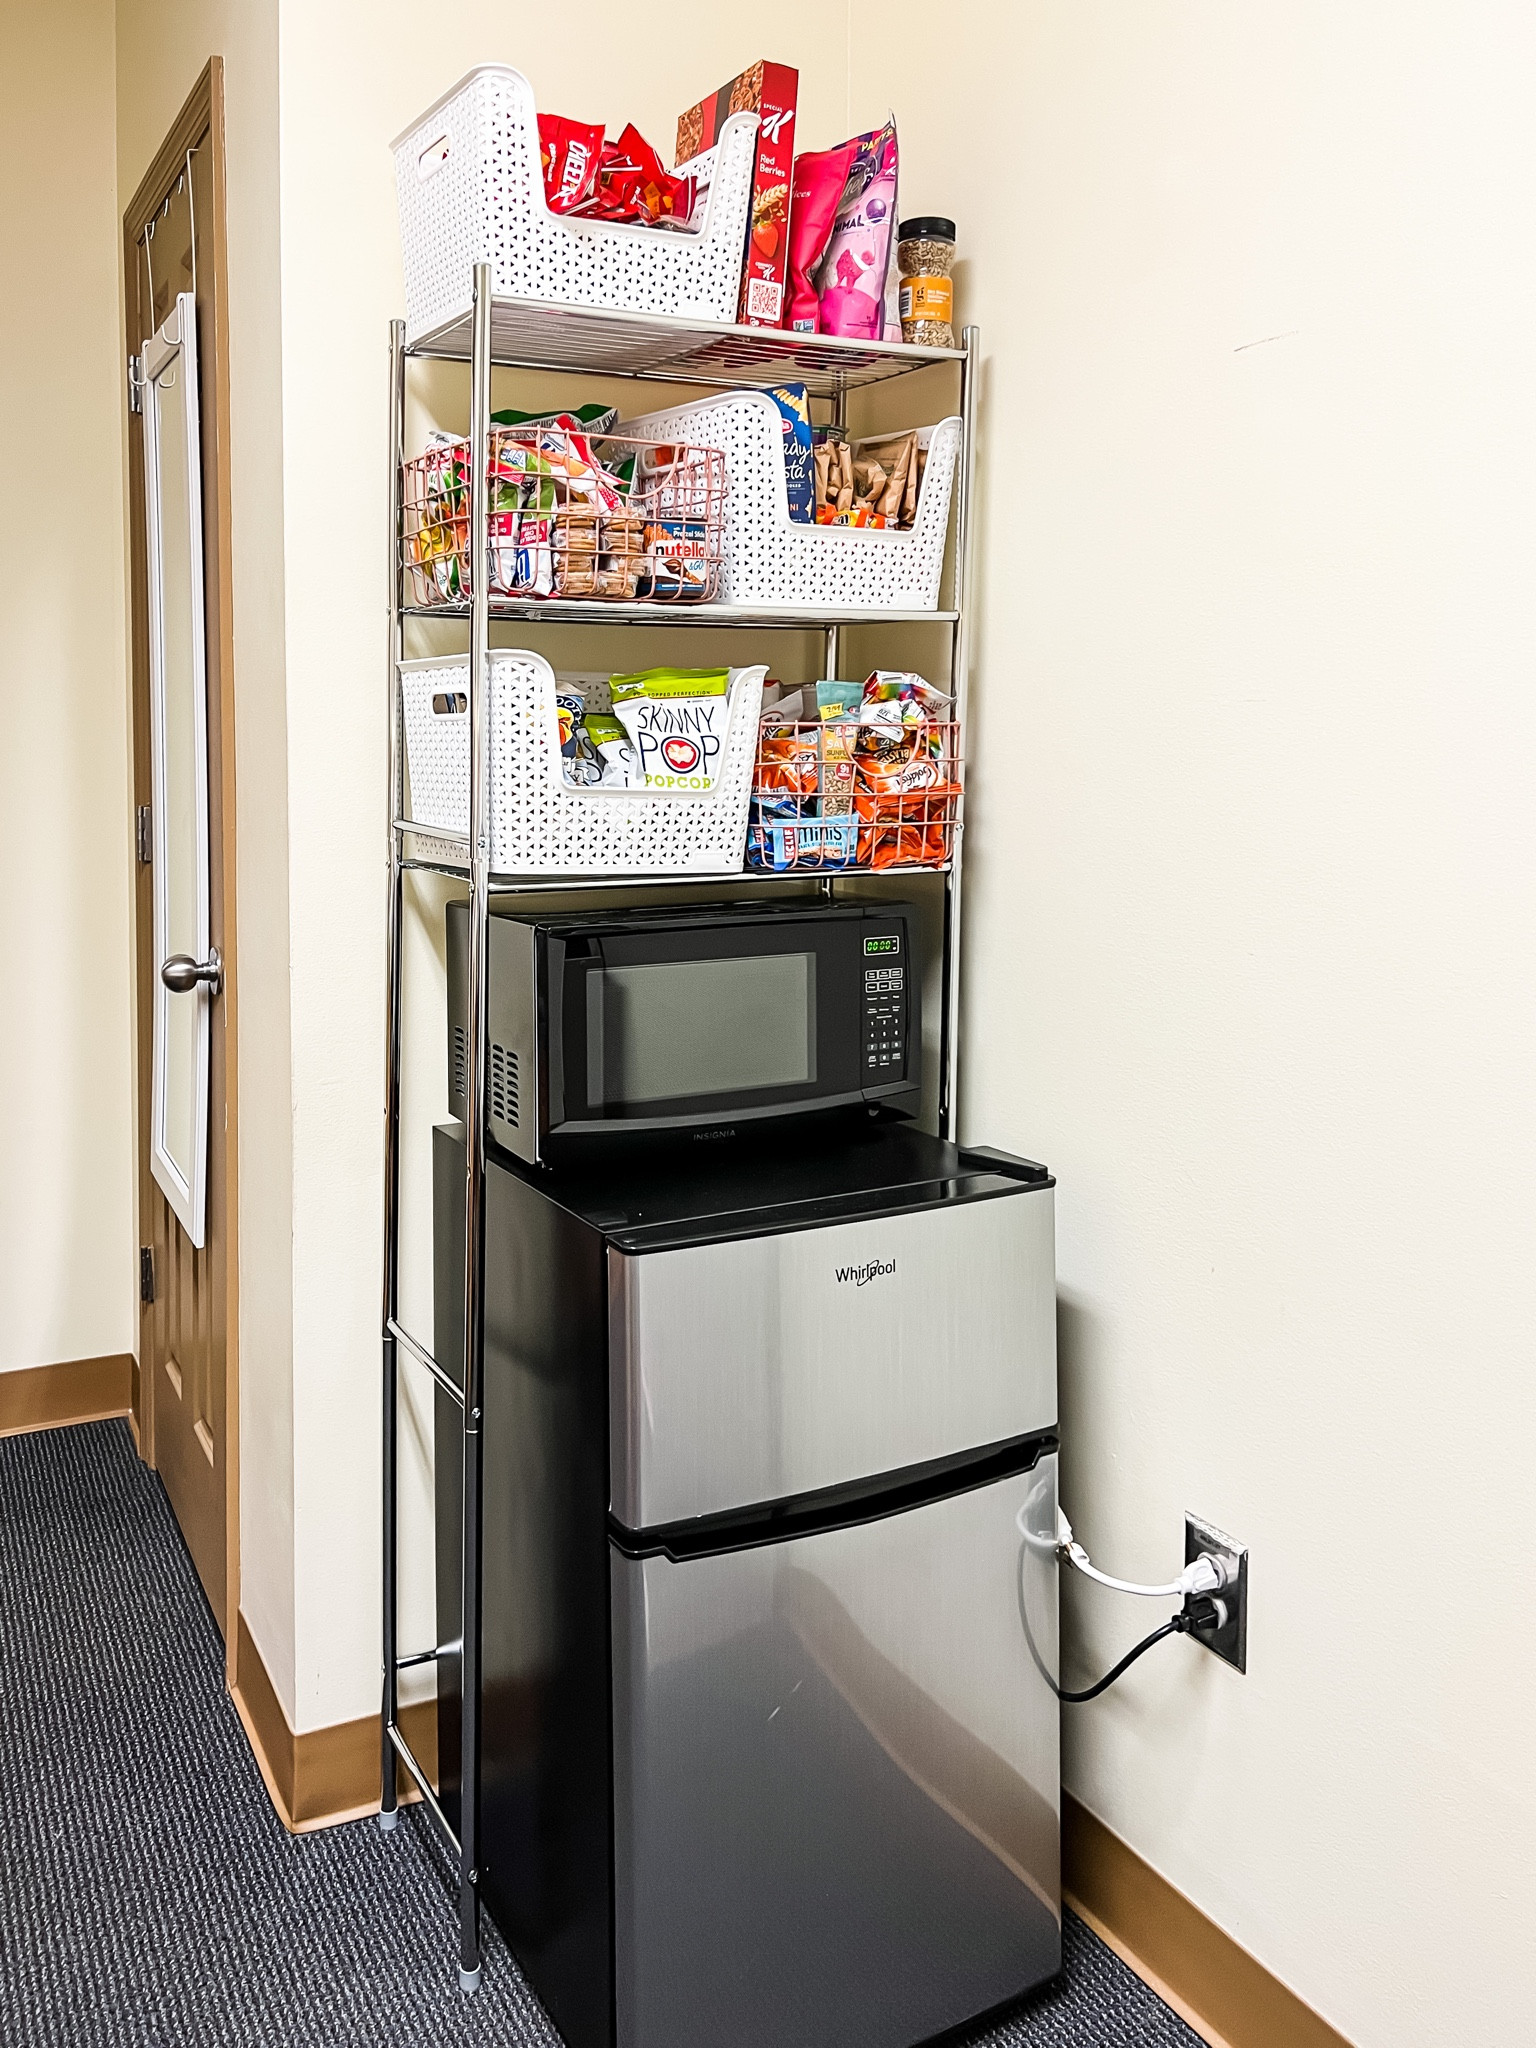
770,92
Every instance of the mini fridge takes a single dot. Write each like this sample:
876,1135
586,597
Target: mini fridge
769,1742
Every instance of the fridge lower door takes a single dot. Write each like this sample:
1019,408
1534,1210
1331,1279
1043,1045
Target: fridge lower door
837,1778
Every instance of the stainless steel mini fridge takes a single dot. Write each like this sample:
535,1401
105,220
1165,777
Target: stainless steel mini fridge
770,1752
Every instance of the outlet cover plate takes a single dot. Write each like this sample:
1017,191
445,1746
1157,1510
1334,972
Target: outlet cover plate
1229,1643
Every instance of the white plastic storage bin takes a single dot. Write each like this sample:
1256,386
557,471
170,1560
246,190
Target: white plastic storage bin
540,826
471,190
773,560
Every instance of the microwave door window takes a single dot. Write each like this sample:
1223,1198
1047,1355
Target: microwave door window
684,1031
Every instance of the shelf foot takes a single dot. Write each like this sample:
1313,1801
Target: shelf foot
469,1981
388,1819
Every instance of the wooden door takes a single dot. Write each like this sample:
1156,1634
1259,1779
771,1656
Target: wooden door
175,299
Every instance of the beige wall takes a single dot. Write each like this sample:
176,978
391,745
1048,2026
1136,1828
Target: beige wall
1251,910
67,1263
162,47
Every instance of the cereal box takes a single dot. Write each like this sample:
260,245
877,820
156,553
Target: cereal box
770,92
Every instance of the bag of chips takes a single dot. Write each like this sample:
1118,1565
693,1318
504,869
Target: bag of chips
632,185
789,759
820,175
570,152
611,746
905,832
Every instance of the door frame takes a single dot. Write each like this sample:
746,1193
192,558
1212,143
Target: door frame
199,123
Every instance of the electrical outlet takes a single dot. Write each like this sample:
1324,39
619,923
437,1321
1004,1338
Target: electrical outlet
1231,1640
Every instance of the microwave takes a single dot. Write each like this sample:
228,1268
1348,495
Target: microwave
699,1021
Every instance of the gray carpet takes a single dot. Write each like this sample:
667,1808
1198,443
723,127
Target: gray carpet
149,1898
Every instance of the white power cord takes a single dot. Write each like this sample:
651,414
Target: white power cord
1207,1574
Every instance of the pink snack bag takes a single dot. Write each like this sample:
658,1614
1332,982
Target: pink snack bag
850,284
820,176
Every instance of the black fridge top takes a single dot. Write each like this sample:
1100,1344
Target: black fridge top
665,1197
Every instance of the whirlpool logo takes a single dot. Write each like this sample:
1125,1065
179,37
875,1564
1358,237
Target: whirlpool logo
872,1269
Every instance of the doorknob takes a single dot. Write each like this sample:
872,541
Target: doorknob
181,973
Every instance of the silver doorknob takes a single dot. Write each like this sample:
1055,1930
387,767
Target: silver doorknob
181,973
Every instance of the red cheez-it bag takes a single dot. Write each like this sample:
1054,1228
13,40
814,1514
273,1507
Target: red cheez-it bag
570,152
591,179
770,91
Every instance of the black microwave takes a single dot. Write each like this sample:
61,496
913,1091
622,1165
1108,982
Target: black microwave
696,1021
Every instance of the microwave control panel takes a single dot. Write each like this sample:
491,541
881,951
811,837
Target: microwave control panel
885,1009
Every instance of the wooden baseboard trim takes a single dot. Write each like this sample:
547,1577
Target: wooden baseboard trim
1211,1982
53,1396
326,1775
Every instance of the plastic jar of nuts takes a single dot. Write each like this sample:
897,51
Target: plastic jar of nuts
925,255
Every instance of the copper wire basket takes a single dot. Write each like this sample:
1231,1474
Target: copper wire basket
571,516
836,795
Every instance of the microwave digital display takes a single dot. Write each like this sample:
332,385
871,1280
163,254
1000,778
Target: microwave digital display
668,1030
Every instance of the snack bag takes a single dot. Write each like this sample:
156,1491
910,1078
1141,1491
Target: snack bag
794,403
610,745
838,700
820,176
570,707
676,720
770,91
850,284
900,697
631,185
580,419
885,476
837,767
569,152
905,832
788,759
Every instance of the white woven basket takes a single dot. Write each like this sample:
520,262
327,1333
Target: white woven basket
540,826
771,559
471,190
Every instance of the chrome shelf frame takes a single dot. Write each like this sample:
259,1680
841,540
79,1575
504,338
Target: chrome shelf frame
570,611
533,336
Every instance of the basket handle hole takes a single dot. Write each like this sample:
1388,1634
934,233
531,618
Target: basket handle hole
432,158
450,703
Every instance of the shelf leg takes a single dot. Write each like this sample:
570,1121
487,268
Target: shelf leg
960,662
474,1137
390,1705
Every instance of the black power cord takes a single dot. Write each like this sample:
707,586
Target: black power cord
1198,1611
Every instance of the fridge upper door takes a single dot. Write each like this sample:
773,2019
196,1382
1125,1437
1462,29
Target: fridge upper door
836,1778
756,1369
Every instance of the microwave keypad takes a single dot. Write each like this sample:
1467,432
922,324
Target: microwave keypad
884,1021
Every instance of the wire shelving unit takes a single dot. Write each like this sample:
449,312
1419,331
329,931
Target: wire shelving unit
532,335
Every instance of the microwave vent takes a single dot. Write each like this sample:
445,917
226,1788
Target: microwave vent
460,1062
501,1097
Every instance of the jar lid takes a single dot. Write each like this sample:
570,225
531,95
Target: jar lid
926,227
